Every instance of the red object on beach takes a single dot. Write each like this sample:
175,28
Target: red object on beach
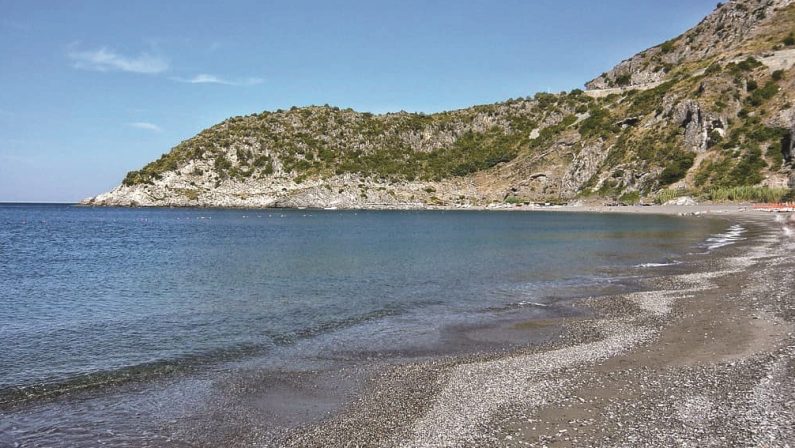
776,206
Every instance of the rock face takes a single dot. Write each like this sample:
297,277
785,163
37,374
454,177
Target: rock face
697,124
731,25
710,108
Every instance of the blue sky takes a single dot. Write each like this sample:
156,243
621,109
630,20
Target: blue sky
93,89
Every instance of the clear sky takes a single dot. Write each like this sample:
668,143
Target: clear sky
92,89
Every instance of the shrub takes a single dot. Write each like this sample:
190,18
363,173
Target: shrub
630,198
677,167
222,163
713,68
745,65
759,96
747,170
598,122
623,80
776,157
789,40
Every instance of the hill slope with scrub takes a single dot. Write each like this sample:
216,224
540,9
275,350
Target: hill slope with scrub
709,112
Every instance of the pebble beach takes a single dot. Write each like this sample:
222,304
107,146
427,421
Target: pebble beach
702,357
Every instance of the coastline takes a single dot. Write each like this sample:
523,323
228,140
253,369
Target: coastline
656,209
527,378
701,357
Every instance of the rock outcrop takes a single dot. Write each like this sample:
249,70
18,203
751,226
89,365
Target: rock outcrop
723,34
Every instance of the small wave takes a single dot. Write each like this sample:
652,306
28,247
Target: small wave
528,303
11,395
657,265
730,236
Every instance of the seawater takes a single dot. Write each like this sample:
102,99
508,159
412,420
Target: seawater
92,299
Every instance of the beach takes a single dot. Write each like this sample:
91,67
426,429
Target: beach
704,356
687,342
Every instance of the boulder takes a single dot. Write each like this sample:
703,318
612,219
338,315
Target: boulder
684,200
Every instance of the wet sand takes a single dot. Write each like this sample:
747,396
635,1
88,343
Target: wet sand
703,356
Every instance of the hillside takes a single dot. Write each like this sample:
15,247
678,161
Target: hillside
702,113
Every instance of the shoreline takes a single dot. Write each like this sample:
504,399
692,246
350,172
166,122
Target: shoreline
528,380
612,379
655,209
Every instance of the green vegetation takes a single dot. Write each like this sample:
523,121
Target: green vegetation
677,168
746,193
515,200
189,193
775,156
668,194
152,171
732,170
623,80
641,132
759,96
649,100
598,124
630,198
746,65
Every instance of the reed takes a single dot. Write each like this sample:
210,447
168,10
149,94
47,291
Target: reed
747,193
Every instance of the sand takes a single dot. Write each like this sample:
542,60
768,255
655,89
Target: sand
704,356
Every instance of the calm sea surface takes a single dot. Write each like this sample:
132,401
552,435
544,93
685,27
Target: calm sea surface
91,299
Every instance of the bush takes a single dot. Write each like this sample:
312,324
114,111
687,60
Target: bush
677,167
713,69
745,65
747,170
630,198
623,80
776,157
789,40
759,96
599,122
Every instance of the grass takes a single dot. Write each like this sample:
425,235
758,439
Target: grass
515,200
747,193
668,194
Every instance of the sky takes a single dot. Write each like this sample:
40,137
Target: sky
90,90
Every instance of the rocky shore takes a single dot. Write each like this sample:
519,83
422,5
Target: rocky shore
702,357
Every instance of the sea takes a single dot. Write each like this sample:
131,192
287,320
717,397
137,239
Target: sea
185,327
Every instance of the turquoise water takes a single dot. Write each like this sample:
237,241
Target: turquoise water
93,298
